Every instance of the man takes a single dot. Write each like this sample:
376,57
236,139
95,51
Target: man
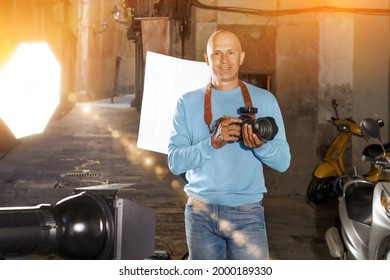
224,212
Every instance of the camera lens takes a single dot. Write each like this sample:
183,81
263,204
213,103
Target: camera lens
265,128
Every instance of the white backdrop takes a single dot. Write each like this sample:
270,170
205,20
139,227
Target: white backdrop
166,79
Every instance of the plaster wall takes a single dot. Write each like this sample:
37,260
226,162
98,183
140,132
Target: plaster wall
98,50
296,78
205,25
335,77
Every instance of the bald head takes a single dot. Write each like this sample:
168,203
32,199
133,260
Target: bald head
224,36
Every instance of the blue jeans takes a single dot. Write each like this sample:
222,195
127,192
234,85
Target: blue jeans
212,231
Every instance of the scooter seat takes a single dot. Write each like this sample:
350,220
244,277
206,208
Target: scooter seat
375,150
358,200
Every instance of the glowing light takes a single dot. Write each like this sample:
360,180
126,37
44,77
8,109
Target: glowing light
29,89
86,109
124,141
115,133
239,238
148,161
225,226
159,170
79,227
175,184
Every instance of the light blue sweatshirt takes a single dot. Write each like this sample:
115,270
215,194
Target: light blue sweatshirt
233,174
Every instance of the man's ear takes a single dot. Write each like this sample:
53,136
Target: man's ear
206,58
242,56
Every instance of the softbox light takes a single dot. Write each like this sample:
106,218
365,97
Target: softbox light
29,89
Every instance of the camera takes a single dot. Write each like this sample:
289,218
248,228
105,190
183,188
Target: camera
265,128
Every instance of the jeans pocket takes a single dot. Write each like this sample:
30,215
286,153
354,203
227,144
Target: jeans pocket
257,206
192,202
189,202
196,205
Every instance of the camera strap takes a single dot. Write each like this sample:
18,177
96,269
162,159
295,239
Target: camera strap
208,117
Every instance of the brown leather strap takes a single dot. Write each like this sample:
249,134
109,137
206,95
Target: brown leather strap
246,95
208,117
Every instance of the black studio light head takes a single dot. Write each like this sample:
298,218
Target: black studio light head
94,223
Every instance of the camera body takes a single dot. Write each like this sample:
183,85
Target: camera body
265,128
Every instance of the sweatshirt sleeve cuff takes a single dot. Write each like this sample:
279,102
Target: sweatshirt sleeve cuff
207,149
263,150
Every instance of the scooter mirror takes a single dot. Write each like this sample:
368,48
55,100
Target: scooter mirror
334,105
371,128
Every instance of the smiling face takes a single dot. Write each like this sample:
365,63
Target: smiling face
224,56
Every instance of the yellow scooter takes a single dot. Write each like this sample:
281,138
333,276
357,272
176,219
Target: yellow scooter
332,165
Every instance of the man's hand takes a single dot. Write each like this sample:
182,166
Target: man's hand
250,139
228,131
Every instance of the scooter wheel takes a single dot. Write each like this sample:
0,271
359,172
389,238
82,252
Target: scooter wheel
319,189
